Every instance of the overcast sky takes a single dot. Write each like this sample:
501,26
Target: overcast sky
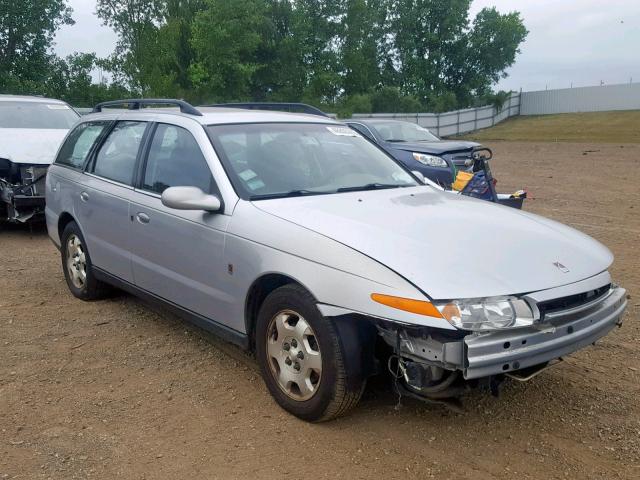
579,42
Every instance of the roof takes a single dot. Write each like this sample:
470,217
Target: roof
216,115
28,98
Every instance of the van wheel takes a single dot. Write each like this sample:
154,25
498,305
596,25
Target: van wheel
76,264
301,357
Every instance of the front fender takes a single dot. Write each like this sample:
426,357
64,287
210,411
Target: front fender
340,278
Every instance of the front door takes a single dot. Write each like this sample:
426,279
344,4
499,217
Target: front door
178,254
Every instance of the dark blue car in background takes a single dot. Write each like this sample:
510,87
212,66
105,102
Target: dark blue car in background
417,148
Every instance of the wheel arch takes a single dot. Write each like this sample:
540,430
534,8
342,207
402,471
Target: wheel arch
64,219
258,291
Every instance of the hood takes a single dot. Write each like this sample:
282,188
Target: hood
30,145
437,148
450,246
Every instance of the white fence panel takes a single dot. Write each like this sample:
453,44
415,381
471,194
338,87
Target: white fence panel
459,121
566,100
581,99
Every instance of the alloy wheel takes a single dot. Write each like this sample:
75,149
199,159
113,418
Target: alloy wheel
76,262
294,355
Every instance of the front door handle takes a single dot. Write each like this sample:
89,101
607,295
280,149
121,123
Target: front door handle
84,196
143,217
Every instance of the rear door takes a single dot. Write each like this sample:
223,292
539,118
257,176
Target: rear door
103,198
65,177
178,254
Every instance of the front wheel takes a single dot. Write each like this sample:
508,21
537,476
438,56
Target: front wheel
301,357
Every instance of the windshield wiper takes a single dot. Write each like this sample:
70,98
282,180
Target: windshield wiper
291,193
394,140
371,186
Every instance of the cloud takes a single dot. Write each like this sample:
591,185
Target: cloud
573,42
87,35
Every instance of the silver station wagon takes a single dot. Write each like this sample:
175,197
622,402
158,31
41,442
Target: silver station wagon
296,238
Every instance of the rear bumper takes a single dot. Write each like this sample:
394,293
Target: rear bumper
505,351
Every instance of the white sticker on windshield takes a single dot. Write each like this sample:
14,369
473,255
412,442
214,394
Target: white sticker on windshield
255,184
343,131
247,174
58,107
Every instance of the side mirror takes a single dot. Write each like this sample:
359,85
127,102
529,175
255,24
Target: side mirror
419,175
190,198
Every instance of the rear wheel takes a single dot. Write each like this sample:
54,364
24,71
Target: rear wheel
77,266
301,357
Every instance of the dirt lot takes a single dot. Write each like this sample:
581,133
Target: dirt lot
114,389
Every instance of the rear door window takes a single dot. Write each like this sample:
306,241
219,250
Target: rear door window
116,159
76,147
175,160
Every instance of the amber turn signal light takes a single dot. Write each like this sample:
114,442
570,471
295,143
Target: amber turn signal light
407,304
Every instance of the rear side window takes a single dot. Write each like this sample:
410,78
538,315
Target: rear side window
75,149
116,159
175,160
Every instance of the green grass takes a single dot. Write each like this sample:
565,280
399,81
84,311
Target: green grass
593,127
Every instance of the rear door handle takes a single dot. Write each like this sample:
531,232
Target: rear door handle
84,196
143,217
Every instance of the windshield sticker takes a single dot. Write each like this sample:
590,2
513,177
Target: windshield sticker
58,107
343,131
255,184
247,174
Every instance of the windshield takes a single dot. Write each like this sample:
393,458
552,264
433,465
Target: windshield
272,160
36,115
404,132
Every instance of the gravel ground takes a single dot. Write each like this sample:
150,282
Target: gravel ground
116,389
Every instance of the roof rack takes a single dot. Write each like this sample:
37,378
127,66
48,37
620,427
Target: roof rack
274,106
136,103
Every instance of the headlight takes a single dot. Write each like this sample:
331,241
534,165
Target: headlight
487,313
430,160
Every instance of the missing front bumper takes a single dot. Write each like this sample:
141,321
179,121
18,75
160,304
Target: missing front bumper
22,189
506,351
22,208
486,354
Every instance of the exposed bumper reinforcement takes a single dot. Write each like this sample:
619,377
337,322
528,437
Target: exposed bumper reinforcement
505,351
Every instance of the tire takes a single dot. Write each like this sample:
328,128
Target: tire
312,396
73,245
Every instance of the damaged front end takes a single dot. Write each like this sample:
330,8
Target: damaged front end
22,191
437,364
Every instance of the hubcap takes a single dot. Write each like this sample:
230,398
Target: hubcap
294,355
76,262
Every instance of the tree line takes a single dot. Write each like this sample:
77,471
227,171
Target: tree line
341,55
